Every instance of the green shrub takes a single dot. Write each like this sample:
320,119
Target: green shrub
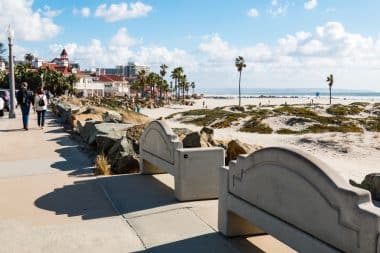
256,126
295,111
208,117
344,128
287,131
343,110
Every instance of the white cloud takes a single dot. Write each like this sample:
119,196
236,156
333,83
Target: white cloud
122,48
303,56
310,4
28,24
253,12
84,12
278,9
117,12
50,13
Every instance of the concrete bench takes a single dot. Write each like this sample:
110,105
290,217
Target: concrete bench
195,170
299,200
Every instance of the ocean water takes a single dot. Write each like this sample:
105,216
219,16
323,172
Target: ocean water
310,92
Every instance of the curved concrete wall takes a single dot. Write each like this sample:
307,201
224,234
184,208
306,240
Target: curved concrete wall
307,195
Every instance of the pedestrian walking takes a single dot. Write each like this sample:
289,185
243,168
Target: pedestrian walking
24,99
40,105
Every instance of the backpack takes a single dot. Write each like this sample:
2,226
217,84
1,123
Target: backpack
41,102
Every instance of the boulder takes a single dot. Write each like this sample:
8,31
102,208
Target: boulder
204,139
122,157
370,183
181,132
236,147
112,116
87,129
195,140
83,117
207,134
65,110
94,128
134,133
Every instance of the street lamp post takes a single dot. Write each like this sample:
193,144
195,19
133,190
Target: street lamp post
12,113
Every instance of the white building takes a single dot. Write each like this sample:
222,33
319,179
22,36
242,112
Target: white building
132,70
2,66
114,85
88,87
37,63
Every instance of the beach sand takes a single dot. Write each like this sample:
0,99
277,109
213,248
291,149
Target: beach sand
352,155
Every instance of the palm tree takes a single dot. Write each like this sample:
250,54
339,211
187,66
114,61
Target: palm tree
192,85
141,81
330,82
240,64
29,58
163,68
183,83
176,75
72,79
152,80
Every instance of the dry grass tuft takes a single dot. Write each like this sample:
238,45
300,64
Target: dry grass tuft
101,165
133,117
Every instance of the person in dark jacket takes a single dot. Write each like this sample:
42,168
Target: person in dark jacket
24,99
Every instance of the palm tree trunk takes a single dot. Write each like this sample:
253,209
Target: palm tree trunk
239,89
330,94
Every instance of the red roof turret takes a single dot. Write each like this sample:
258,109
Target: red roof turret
64,53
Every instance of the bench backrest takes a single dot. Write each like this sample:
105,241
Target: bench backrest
307,194
159,141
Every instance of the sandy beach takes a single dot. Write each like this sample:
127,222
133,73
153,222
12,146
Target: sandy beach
352,155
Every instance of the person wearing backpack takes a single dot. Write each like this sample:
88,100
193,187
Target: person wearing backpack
24,99
40,105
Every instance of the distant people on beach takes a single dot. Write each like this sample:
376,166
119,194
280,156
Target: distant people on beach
203,104
24,99
40,106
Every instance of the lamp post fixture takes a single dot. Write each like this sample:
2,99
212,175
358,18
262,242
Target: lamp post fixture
12,113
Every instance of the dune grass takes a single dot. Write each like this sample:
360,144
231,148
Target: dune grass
217,118
255,125
102,166
343,110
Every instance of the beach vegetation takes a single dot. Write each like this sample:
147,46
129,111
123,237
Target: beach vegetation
371,124
343,128
287,131
295,111
362,104
343,110
255,125
216,118
102,167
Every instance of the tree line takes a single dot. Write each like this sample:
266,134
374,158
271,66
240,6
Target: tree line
56,82
157,81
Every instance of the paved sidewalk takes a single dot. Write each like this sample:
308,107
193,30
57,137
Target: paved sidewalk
50,202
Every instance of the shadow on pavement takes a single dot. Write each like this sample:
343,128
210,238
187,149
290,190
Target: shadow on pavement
212,242
12,130
127,193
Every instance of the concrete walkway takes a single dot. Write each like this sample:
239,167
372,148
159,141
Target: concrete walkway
51,202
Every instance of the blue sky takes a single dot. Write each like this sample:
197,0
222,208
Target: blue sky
285,43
